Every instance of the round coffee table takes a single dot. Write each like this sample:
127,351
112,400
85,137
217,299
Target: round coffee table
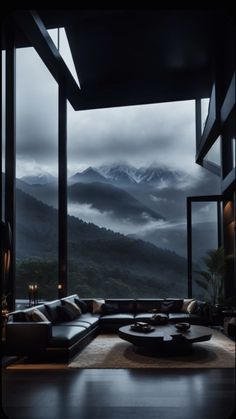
165,339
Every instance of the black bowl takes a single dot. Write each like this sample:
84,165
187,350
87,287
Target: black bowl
182,326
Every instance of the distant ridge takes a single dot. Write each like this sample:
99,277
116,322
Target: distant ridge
39,179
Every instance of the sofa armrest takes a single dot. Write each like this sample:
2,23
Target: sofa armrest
27,337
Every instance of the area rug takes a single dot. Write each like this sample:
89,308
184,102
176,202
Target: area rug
109,351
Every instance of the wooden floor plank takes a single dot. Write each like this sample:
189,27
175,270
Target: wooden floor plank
116,394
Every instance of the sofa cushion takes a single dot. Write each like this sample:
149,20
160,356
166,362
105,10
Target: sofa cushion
92,319
117,318
148,305
124,305
77,322
179,317
66,336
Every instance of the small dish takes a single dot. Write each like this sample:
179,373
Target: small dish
182,326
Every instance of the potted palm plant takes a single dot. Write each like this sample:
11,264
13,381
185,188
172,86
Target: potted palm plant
212,277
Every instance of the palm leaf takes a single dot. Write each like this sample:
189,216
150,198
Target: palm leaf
215,260
206,275
202,283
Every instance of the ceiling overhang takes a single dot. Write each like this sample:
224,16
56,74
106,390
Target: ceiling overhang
131,57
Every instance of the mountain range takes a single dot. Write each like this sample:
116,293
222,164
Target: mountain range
116,173
124,173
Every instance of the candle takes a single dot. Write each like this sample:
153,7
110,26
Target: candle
30,292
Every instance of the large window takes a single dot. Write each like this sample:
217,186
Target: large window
36,177
204,240
129,172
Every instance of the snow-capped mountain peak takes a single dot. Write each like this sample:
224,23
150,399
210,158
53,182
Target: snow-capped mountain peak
125,173
88,175
122,172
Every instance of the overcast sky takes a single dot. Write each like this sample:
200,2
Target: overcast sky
141,135
163,134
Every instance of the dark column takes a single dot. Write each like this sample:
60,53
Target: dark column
189,246
219,223
234,249
10,160
62,204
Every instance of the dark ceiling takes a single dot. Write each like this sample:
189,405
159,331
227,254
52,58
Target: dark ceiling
125,57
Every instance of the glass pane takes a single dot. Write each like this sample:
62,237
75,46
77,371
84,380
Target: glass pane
60,40
214,154
37,177
204,239
204,111
129,174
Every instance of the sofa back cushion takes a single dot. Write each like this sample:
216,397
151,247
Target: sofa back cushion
123,305
148,305
110,308
171,306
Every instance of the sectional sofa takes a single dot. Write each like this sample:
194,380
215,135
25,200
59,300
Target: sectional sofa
56,331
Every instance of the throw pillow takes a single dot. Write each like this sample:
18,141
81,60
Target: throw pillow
192,307
73,307
37,316
82,305
185,304
26,317
66,313
97,306
176,306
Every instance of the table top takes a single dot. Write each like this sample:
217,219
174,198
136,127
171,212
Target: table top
166,333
